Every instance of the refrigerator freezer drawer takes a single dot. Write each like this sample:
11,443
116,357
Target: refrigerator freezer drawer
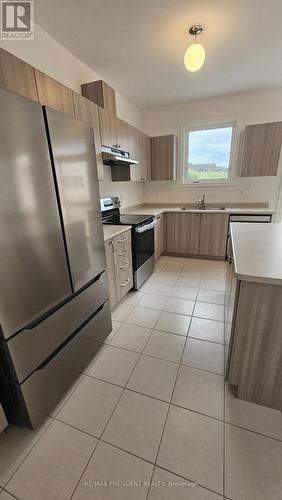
31,347
45,391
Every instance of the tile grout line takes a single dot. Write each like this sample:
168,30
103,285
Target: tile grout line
168,409
41,435
165,359
172,394
103,431
142,458
166,402
11,494
52,418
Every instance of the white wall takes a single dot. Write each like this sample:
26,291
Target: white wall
49,56
245,108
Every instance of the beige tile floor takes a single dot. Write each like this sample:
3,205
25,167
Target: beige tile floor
153,409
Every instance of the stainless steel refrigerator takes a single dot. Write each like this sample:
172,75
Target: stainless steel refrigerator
54,308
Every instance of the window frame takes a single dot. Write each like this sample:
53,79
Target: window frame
207,125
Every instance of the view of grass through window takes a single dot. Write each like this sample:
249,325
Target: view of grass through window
208,156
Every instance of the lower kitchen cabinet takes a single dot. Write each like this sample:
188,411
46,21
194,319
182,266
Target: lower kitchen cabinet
111,272
213,234
197,234
119,266
160,235
183,233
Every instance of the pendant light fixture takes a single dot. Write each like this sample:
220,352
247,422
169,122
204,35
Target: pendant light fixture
195,55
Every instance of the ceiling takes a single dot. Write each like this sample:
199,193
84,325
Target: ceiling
137,46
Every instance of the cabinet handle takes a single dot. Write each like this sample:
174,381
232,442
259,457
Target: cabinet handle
230,259
124,265
124,239
123,253
125,283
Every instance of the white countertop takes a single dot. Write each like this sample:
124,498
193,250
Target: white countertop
257,252
112,231
159,210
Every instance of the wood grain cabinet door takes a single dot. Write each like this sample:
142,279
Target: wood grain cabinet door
213,235
261,149
163,150
163,233
136,170
17,76
148,157
108,129
121,129
160,236
97,139
157,237
87,112
82,109
110,263
53,94
145,156
183,233
101,94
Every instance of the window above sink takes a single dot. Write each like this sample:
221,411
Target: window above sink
208,153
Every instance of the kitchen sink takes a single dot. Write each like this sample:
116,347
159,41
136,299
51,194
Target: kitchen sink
202,209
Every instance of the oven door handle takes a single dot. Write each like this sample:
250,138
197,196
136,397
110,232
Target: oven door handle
146,227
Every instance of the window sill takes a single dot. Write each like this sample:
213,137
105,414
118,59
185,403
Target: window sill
207,184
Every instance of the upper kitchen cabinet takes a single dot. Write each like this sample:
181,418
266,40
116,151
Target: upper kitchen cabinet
87,112
163,166
100,93
53,94
122,135
141,151
108,129
115,133
145,155
17,76
261,149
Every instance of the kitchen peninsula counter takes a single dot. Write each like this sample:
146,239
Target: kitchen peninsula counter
253,305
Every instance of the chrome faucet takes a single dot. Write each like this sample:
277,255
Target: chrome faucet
202,202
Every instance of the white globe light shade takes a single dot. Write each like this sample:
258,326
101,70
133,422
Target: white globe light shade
194,57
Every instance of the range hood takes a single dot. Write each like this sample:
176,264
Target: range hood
113,156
